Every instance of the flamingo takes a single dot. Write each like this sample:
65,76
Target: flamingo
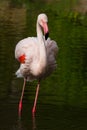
36,56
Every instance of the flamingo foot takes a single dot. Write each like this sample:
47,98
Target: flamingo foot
33,110
20,107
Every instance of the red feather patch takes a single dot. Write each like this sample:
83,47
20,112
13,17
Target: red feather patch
22,58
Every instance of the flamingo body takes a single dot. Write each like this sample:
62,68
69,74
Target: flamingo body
27,53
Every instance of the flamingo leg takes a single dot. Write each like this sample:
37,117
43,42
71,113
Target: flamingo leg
36,97
21,98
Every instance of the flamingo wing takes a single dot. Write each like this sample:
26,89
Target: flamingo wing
52,50
26,49
26,52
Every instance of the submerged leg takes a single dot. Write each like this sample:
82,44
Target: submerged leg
36,96
21,98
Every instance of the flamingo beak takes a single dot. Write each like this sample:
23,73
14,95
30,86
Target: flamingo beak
45,29
46,35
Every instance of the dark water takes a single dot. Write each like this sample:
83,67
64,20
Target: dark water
62,102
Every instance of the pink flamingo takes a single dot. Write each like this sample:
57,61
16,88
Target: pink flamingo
36,56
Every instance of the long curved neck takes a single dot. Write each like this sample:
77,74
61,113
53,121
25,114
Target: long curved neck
42,48
39,32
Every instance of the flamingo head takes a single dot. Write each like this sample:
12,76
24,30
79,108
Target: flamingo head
42,19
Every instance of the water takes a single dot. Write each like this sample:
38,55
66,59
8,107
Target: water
62,101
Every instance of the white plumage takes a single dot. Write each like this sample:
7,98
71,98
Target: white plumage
31,48
37,54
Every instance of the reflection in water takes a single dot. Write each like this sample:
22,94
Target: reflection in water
19,123
20,127
33,121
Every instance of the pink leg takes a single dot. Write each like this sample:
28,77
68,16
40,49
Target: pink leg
21,98
36,96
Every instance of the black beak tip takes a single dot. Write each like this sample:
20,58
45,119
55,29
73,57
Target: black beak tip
46,35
